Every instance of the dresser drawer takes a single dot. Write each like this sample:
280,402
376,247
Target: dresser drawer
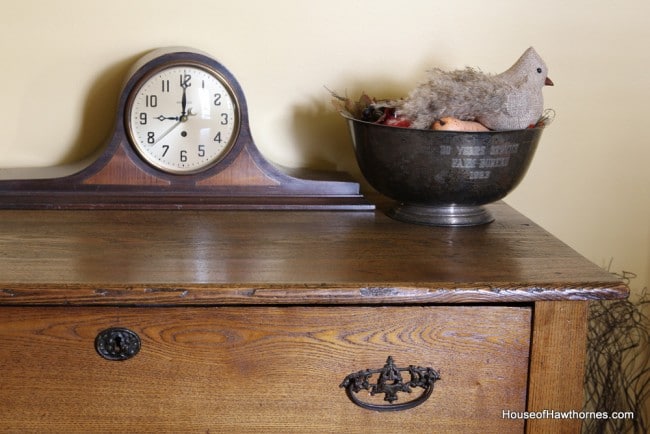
259,369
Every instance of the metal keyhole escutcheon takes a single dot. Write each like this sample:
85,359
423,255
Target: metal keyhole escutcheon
117,343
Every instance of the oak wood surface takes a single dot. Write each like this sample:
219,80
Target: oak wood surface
259,369
242,257
66,275
557,365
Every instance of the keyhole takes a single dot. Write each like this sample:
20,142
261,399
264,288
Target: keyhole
117,344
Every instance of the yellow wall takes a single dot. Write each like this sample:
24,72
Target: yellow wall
63,63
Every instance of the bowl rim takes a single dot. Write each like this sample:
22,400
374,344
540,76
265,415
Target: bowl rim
349,117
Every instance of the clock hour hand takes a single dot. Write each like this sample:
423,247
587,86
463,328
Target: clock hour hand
166,118
179,120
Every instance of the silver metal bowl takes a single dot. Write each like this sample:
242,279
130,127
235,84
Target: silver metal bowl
442,178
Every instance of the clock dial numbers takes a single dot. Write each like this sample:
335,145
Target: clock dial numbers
183,118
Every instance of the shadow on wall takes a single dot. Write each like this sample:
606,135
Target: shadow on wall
99,113
322,134
322,137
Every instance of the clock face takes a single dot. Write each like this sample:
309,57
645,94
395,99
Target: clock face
182,118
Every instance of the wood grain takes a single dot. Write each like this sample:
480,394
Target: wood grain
241,257
250,320
258,369
557,365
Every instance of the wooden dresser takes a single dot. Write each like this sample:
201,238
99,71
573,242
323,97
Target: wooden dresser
252,321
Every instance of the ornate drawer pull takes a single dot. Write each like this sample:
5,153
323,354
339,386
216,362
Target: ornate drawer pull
117,343
390,383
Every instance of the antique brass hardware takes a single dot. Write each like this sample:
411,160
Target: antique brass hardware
389,383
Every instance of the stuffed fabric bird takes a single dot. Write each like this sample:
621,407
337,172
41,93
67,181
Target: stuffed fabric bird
511,100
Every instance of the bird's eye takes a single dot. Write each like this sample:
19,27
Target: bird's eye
539,70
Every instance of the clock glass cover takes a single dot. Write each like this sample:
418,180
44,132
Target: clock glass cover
182,118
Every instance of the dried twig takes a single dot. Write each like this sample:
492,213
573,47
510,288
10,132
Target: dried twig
618,364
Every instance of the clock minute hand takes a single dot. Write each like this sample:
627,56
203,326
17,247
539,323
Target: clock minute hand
179,120
169,130
184,100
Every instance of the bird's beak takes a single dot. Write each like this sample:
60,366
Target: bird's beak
548,82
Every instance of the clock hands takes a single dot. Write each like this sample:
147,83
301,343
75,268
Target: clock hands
165,118
184,85
169,130
185,112
179,120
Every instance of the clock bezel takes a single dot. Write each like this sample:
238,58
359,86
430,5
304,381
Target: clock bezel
153,72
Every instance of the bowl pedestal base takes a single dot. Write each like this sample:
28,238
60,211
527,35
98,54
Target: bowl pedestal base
441,215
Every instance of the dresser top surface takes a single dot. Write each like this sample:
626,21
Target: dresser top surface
284,257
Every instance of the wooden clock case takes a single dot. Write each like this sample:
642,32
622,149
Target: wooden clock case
117,178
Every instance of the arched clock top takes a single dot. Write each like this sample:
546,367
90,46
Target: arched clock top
182,139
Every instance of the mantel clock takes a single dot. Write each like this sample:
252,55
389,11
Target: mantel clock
181,140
